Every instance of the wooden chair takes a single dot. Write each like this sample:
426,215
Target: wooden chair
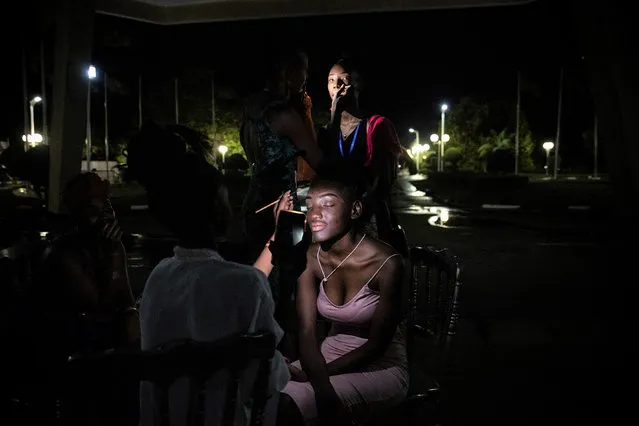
430,323
197,361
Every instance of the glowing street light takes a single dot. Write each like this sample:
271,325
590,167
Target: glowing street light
548,146
434,138
92,72
440,153
411,130
223,149
32,103
33,138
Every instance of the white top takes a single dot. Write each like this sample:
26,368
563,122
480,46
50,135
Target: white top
198,295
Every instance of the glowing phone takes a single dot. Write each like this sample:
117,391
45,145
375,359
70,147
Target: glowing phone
291,226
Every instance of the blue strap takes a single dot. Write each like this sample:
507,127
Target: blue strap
340,142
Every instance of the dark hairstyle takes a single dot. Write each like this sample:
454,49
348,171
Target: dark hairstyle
184,189
285,59
337,176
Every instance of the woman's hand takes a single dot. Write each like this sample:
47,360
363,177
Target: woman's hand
285,203
297,375
111,234
342,93
338,102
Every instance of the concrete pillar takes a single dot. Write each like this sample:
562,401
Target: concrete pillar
73,44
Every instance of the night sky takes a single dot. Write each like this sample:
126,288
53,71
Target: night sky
411,62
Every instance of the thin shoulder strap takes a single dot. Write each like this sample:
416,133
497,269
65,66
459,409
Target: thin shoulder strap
380,267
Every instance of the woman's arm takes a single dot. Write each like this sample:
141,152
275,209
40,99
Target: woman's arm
384,324
287,122
311,357
265,260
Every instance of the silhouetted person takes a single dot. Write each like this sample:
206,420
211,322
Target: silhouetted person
197,294
274,131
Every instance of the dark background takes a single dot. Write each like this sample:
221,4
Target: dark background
411,63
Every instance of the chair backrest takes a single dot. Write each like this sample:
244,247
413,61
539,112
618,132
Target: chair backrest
435,280
197,361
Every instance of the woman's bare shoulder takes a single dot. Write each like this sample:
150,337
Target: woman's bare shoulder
380,249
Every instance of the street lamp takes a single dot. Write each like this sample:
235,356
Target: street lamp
440,163
548,146
91,74
32,103
411,130
223,149
32,139
416,150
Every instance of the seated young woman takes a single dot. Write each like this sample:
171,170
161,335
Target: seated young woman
354,281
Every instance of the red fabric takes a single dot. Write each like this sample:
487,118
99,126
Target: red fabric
381,134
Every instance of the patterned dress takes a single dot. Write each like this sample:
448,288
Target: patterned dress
273,165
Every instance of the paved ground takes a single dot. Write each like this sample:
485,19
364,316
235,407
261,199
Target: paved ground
527,348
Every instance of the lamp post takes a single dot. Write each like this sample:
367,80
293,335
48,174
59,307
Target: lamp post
91,74
415,151
548,146
411,130
417,145
440,165
434,138
424,149
223,149
106,127
32,103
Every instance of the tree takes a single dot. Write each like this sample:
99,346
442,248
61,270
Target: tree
491,144
196,111
482,130
453,157
464,125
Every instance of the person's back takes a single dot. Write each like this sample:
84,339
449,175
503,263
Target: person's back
198,295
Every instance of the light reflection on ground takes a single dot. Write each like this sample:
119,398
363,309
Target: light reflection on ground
439,216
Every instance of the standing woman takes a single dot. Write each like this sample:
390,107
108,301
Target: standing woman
365,144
